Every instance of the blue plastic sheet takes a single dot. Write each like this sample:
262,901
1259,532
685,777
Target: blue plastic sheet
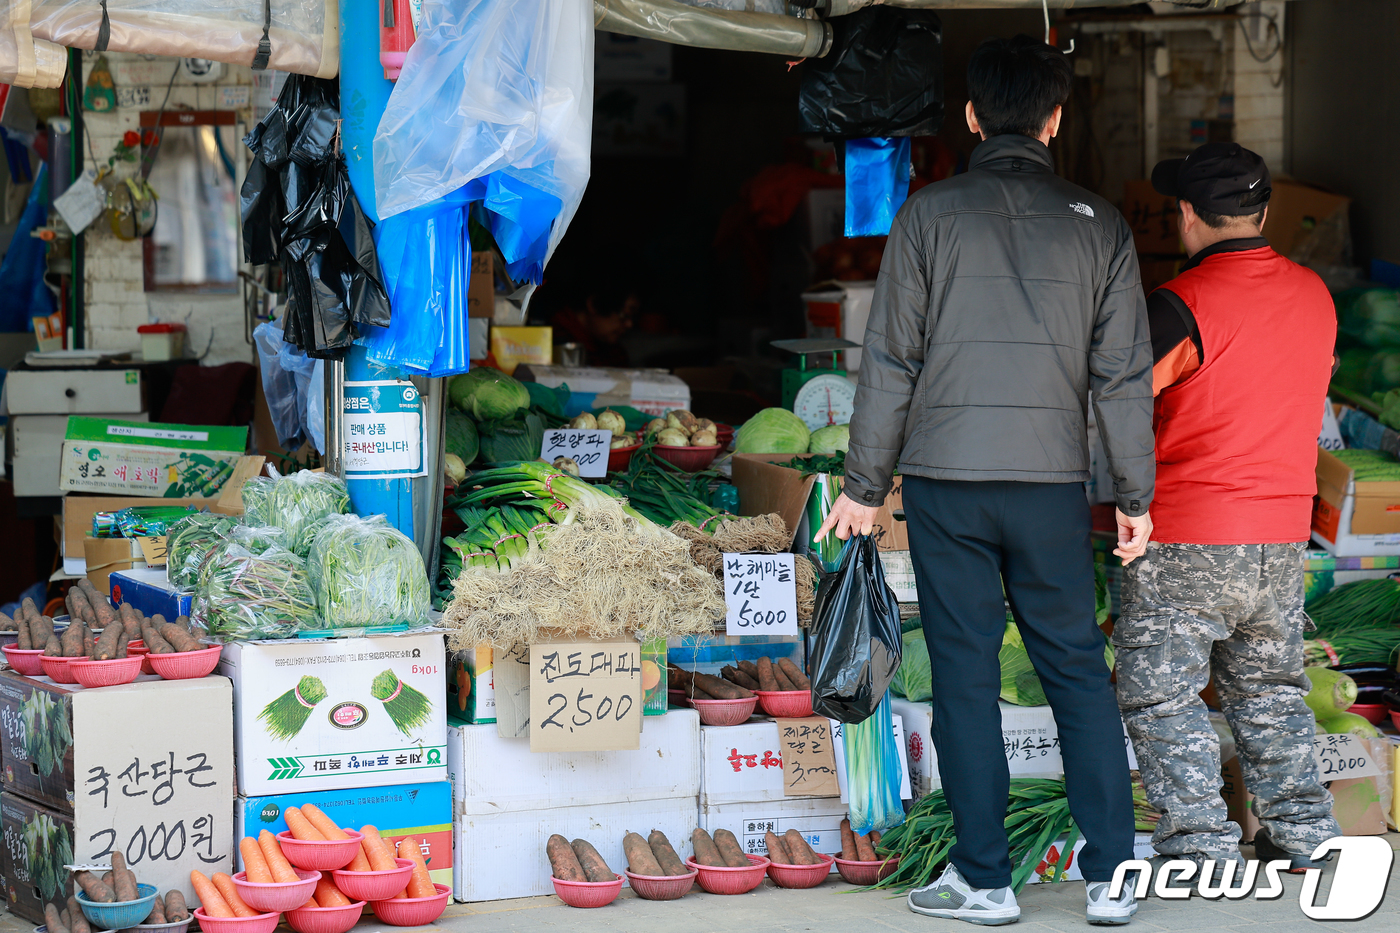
22,271
877,183
289,377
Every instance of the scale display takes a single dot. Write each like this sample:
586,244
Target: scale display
825,400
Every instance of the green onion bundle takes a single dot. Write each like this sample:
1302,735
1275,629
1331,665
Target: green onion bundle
665,493
192,539
365,572
1374,646
139,521
242,595
1370,466
873,771
1364,604
255,493
299,502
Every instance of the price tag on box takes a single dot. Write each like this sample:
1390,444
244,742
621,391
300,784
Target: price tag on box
760,591
1343,756
585,695
589,449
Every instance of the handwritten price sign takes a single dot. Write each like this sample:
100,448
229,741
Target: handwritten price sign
585,696
760,592
809,758
589,449
1343,756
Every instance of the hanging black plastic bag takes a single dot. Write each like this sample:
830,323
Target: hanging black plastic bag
856,644
882,77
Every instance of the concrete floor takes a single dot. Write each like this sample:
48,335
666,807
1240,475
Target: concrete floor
836,907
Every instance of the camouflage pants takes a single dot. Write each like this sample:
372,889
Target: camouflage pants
1236,610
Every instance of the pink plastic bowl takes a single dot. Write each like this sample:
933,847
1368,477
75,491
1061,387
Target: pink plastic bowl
620,458
24,660
413,911
187,665
731,880
1374,712
277,895
866,872
661,887
105,673
262,923
800,876
725,712
588,893
787,704
320,854
689,459
56,669
139,648
325,919
374,885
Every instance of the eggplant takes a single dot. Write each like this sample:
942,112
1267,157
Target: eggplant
1370,672
1374,693
1391,697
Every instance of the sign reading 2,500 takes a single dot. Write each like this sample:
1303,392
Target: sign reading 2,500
583,711
161,843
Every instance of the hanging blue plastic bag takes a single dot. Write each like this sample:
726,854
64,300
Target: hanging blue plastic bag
877,183
873,772
286,381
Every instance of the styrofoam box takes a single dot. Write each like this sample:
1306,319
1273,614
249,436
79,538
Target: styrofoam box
899,574
1028,735
491,774
742,764
501,855
818,819
1142,848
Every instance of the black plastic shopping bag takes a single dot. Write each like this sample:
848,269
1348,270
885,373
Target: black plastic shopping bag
856,643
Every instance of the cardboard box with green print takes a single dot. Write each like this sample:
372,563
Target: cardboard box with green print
134,458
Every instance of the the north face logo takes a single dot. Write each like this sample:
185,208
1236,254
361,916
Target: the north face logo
1084,209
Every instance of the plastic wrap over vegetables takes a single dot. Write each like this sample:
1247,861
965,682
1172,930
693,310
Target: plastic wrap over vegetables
256,492
299,502
190,541
365,572
245,595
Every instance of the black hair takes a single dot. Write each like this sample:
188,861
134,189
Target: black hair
1016,84
1259,199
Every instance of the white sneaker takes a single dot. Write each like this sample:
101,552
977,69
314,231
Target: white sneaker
1103,910
952,898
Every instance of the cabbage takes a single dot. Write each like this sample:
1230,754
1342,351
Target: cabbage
773,431
913,680
461,436
830,439
1019,682
1371,315
486,393
511,440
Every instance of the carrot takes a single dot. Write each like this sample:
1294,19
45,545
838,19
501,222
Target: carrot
848,842
563,863
640,860
231,897
157,914
25,641
705,851
865,849
254,865
101,605
175,907
730,850
736,676
420,883
776,850
665,854
209,897
381,856
78,608
593,865
54,920
122,644
93,887
123,881
748,667
721,688
798,848
179,638
301,828
328,895
310,902
875,839
794,674
361,860
325,824
277,863
765,674
53,648
77,923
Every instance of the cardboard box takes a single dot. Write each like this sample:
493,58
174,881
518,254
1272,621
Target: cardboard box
653,391
34,448
899,574
501,855
78,511
491,774
348,738
33,875
513,346
481,285
1329,529
818,819
1045,870
1376,510
152,761
1356,802
471,687
147,459
150,591
103,557
766,487
1153,219
1307,224
422,812
230,501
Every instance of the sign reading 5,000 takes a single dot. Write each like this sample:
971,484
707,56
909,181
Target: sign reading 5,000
585,695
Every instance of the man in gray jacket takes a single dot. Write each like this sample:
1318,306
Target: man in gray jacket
1008,296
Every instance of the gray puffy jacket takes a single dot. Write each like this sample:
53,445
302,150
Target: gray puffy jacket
1006,294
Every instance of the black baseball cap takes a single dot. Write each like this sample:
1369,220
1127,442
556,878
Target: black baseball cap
1217,177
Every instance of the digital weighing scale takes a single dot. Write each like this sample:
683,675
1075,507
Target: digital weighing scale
820,396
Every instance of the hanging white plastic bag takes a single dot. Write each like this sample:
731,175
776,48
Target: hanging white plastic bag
498,93
300,36
25,61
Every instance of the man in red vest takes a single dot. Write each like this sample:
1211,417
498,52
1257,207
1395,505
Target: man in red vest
1242,345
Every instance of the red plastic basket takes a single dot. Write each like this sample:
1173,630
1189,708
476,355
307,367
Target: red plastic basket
320,854
724,712
1373,712
690,459
374,885
262,923
661,887
24,660
619,458
867,872
112,673
787,704
325,919
413,911
56,669
800,876
588,893
277,895
187,665
731,880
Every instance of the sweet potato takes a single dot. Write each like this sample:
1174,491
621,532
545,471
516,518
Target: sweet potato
71,641
178,638
123,643
766,681
593,865
123,881
107,877
563,863
794,674
777,852
77,923
175,906
730,850
150,634
157,914
231,897
748,667
78,608
53,648
54,920
131,620
706,852
798,848
23,642
665,854
210,899
106,647
678,676
865,851
420,883
782,679
875,839
101,605
736,676
720,688
89,643
93,888
848,842
640,859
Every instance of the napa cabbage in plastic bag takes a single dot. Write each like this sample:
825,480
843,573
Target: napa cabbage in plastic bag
873,771
365,572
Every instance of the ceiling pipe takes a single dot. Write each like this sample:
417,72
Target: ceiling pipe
708,28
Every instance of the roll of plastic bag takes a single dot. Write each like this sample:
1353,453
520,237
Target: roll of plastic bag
24,60
303,35
877,183
856,644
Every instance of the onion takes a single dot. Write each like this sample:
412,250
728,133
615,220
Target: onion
672,437
584,422
610,420
655,425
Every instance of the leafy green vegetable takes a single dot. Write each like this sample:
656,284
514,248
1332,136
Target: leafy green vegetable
1019,682
191,540
243,595
300,501
663,492
461,436
256,492
914,678
365,572
819,464
511,439
488,394
773,431
829,440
